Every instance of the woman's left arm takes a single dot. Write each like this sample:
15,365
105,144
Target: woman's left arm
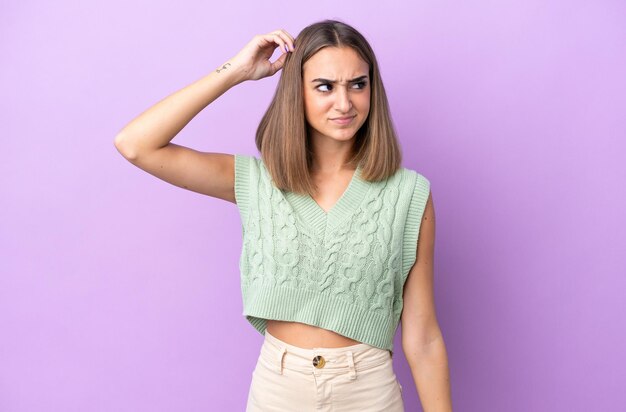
422,340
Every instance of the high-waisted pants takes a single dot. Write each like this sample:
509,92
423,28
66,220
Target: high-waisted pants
351,378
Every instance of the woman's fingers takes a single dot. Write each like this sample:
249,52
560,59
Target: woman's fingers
279,63
290,40
285,40
289,36
282,42
273,40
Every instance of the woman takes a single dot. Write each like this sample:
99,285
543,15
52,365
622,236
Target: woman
331,260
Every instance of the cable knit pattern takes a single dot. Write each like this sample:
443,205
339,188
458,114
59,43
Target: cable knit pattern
342,270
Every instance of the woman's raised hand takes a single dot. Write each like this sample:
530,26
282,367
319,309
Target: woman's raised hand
253,59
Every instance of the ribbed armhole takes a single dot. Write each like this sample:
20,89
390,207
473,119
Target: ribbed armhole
413,222
242,184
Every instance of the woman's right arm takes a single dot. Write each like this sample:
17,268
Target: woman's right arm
146,140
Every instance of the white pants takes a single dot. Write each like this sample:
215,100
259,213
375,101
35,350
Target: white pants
351,378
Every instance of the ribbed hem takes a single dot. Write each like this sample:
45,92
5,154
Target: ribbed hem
242,183
266,301
413,223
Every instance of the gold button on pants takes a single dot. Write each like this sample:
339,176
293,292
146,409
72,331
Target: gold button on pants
319,362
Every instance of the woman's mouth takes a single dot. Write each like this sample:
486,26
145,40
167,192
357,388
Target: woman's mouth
343,120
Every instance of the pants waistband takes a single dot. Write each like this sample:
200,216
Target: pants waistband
281,355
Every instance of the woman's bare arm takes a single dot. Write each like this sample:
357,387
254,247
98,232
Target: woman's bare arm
146,140
422,340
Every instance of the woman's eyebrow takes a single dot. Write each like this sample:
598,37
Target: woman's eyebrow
333,81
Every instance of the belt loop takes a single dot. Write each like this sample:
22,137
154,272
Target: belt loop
351,365
281,355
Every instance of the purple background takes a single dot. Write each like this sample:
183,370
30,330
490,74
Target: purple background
120,292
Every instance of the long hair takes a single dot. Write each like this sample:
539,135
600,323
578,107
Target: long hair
282,136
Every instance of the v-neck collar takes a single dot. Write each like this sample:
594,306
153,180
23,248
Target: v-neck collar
312,214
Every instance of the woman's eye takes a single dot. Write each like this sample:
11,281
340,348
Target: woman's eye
324,84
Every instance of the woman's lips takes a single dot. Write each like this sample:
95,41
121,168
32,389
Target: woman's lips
343,121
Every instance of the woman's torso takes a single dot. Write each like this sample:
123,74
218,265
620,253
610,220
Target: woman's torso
303,335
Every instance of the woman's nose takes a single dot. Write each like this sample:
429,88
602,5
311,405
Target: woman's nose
343,102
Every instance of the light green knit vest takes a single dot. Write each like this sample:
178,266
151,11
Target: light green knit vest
343,270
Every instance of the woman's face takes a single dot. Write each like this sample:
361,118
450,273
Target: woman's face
336,84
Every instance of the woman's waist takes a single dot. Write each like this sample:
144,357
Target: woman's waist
307,336
280,353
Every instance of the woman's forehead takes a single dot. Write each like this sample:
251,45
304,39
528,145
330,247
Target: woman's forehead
333,63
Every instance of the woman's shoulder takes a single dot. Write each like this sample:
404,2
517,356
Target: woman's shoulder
415,174
409,170
247,161
247,157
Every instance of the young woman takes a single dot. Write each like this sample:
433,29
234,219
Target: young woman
331,261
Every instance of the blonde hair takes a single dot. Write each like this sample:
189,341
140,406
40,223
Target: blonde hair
282,136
